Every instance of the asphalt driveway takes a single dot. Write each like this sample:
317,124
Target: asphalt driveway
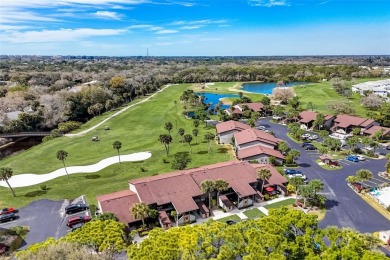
45,218
344,207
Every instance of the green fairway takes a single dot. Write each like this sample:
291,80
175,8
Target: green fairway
138,129
232,217
254,213
280,204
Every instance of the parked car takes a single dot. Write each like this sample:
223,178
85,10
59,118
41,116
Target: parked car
7,217
361,157
291,171
261,127
313,137
302,176
352,158
271,190
77,220
7,210
231,222
306,143
74,208
305,136
388,147
310,147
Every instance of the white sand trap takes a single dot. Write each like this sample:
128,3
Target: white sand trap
29,179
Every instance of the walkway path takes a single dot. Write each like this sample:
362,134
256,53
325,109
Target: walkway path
117,113
28,179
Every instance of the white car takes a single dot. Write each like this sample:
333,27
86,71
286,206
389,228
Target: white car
301,175
313,137
261,127
305,136
361,157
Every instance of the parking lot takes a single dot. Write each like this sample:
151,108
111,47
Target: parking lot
45,218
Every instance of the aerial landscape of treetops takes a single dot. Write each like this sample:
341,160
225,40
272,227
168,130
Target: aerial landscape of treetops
283,234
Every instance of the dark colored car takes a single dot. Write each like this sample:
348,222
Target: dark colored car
291,171
77,220
352,158
310,147
7,210
74,208
388,147
231,222
7,217
306,143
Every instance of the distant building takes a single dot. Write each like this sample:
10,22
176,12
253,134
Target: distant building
379,87
225,130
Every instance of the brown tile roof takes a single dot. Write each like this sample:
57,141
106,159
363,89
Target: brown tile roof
276,177
251,135
163,216
373,129
231,125
119,203
309,116
257,107
258,150
345,121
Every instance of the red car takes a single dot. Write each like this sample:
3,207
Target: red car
7,210
76,220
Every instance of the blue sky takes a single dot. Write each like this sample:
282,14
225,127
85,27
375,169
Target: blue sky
194,28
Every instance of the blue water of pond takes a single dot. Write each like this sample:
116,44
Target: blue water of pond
215,98
267,87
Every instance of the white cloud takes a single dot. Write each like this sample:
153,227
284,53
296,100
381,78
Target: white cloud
199,22
190,27
7,27
10,15
61,35
268,3
51,3
165,31
108,14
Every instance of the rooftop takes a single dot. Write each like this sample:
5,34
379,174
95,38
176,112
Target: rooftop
231,125
345,121
251,135
258,150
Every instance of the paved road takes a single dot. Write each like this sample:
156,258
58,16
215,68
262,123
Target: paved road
45,218
345,207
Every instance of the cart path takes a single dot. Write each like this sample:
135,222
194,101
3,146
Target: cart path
29,179
118,113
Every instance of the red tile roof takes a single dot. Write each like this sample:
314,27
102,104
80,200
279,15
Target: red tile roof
231,125
309,116
345,121
373,129
257,107
276,177
258,150
119,203
251,135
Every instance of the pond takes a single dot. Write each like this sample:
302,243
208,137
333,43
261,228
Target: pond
215,98
267,87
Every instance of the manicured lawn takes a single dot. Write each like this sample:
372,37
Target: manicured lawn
280,204
232,217
320,94
138,129
254,213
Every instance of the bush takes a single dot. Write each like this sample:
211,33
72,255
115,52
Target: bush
43,187
142,169
165,160
47,138
68,126
253,161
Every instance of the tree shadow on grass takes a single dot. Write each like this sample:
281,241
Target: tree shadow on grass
35,193
202,152
92,176
222,150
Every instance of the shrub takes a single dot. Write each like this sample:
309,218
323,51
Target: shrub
253,161
68,126
47,138
43,187
142,169
165,160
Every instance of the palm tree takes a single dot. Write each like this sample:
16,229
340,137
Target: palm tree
195,133
364,175
140,211
61,155
166,140
181,132
209,137
296,182
207,186
5,175
196,123
117,145
220,185
316,185
188,139
294,154
168,126
263,174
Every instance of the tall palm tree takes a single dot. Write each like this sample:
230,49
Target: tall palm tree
61,155
166,140
117,145
168,126
220,185
364,175
294,154
181,132
207,186
188,139
6,174
140,210
196,123
195,133
209,137
263,174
